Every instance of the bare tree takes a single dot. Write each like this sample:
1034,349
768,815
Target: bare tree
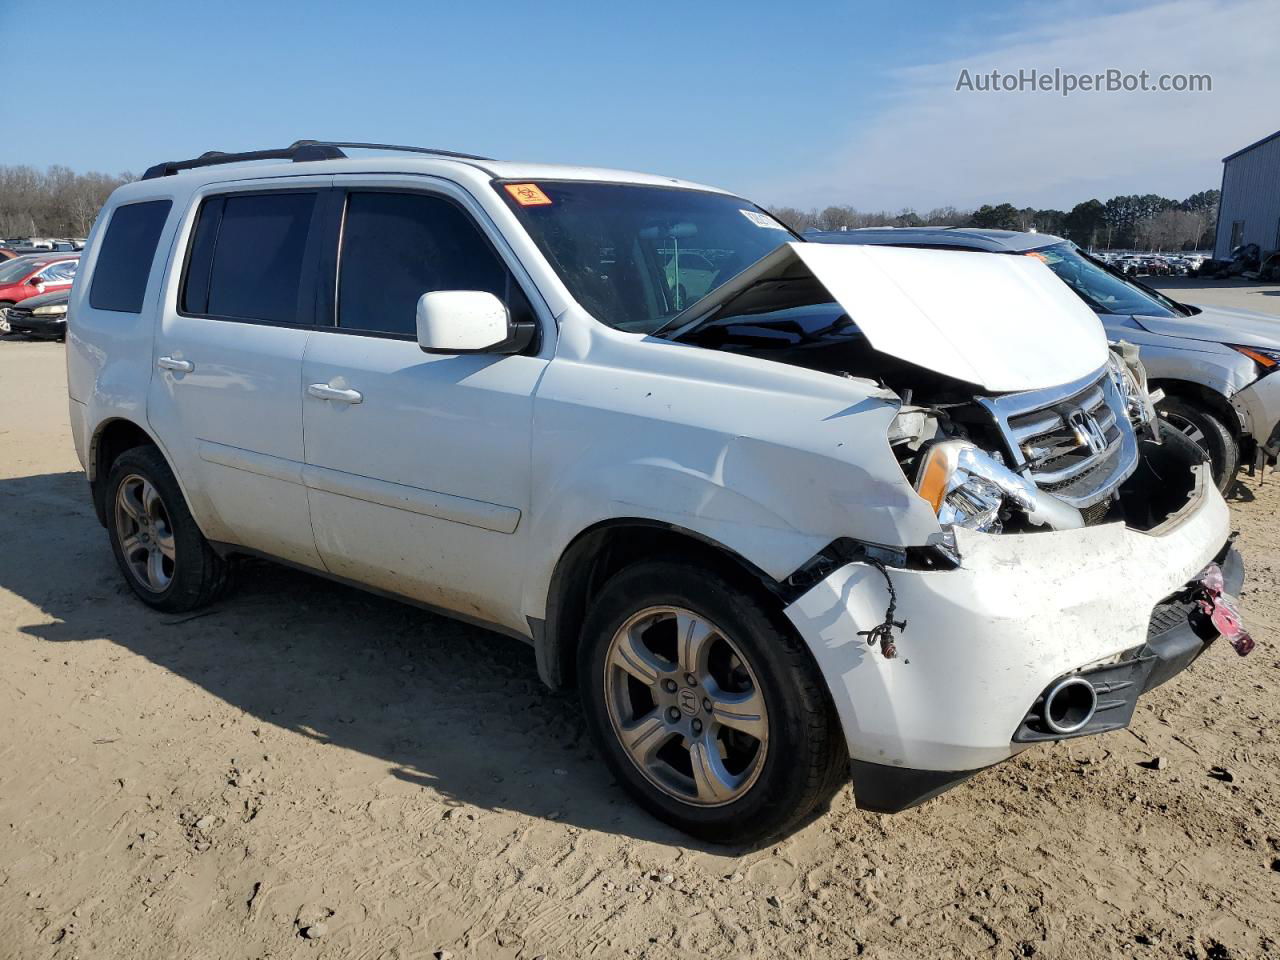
58,202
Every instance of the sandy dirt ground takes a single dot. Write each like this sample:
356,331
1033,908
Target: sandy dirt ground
304,756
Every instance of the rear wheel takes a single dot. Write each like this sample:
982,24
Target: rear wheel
708,711
1209,434
163,555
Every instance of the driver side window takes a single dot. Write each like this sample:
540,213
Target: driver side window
398,246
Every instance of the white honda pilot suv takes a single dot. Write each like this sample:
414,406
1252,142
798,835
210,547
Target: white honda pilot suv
783,512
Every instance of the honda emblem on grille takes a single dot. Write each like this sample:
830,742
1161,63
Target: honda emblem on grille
1087,430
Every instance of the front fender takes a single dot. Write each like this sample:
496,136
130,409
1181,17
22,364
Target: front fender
772,476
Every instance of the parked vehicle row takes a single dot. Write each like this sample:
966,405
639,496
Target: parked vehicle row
21,245
1217,368
1152,264
780,511
29,278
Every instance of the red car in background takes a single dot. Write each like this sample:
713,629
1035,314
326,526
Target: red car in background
27,276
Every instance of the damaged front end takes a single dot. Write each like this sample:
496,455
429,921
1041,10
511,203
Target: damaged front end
1082,554
1054,459
1044,471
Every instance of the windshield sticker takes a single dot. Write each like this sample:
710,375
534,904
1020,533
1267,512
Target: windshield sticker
527,194
760,220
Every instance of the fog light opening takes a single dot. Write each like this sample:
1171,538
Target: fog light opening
1069,705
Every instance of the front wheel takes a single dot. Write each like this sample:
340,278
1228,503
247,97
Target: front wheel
709,711
1209,434
163,555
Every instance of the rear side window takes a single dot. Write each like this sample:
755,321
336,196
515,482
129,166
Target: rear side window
246,258
398,246
124,259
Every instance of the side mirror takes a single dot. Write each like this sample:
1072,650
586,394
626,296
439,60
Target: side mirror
35,281
468,321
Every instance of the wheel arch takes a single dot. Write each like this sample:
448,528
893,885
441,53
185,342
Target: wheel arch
1200,395
111,439
603,549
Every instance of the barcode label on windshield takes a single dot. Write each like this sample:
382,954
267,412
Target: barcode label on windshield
762,220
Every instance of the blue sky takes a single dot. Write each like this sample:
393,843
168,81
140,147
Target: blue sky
802,103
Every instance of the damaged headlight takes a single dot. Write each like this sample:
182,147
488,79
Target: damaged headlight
969,488
1130,378
958,496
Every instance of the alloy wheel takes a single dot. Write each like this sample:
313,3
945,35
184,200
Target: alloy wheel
686,706
145,533
1188,429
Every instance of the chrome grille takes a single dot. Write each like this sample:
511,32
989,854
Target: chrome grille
1074,442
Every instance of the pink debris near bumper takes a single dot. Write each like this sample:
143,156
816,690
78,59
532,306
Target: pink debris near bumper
1222,610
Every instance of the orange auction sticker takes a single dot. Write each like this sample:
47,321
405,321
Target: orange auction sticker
527,194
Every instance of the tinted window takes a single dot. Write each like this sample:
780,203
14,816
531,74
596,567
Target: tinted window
246,256
125,256
398,246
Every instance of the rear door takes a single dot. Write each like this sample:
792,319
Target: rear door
226,395
420,478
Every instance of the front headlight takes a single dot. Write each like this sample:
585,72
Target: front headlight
1266,358
969,488
959,497
1130,378
52,310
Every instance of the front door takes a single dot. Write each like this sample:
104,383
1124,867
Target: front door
226,397
418,465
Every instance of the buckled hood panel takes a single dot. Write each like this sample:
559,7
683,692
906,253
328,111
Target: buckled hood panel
1003,323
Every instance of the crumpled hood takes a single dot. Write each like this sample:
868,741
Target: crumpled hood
1004,323
1218,325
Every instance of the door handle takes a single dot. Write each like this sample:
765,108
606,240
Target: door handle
179,366
322,391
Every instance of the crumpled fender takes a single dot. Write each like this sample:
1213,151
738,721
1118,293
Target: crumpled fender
659,437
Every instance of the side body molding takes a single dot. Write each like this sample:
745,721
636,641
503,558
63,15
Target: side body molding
431,503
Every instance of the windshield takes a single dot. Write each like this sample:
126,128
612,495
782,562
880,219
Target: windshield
15,269
635,256
1101,289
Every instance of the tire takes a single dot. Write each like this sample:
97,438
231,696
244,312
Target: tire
161,552
1209,434
751,670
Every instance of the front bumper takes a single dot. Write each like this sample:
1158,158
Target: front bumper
1259,407
27,324
983,642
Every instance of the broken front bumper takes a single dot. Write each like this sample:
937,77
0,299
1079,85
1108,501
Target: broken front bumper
984,641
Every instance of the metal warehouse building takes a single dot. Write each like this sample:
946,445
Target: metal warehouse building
1249,211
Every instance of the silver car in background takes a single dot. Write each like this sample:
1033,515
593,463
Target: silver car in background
1218,367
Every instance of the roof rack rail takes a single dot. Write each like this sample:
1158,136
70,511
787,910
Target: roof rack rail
300,151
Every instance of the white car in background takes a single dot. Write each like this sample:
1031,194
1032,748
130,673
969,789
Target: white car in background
897,509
